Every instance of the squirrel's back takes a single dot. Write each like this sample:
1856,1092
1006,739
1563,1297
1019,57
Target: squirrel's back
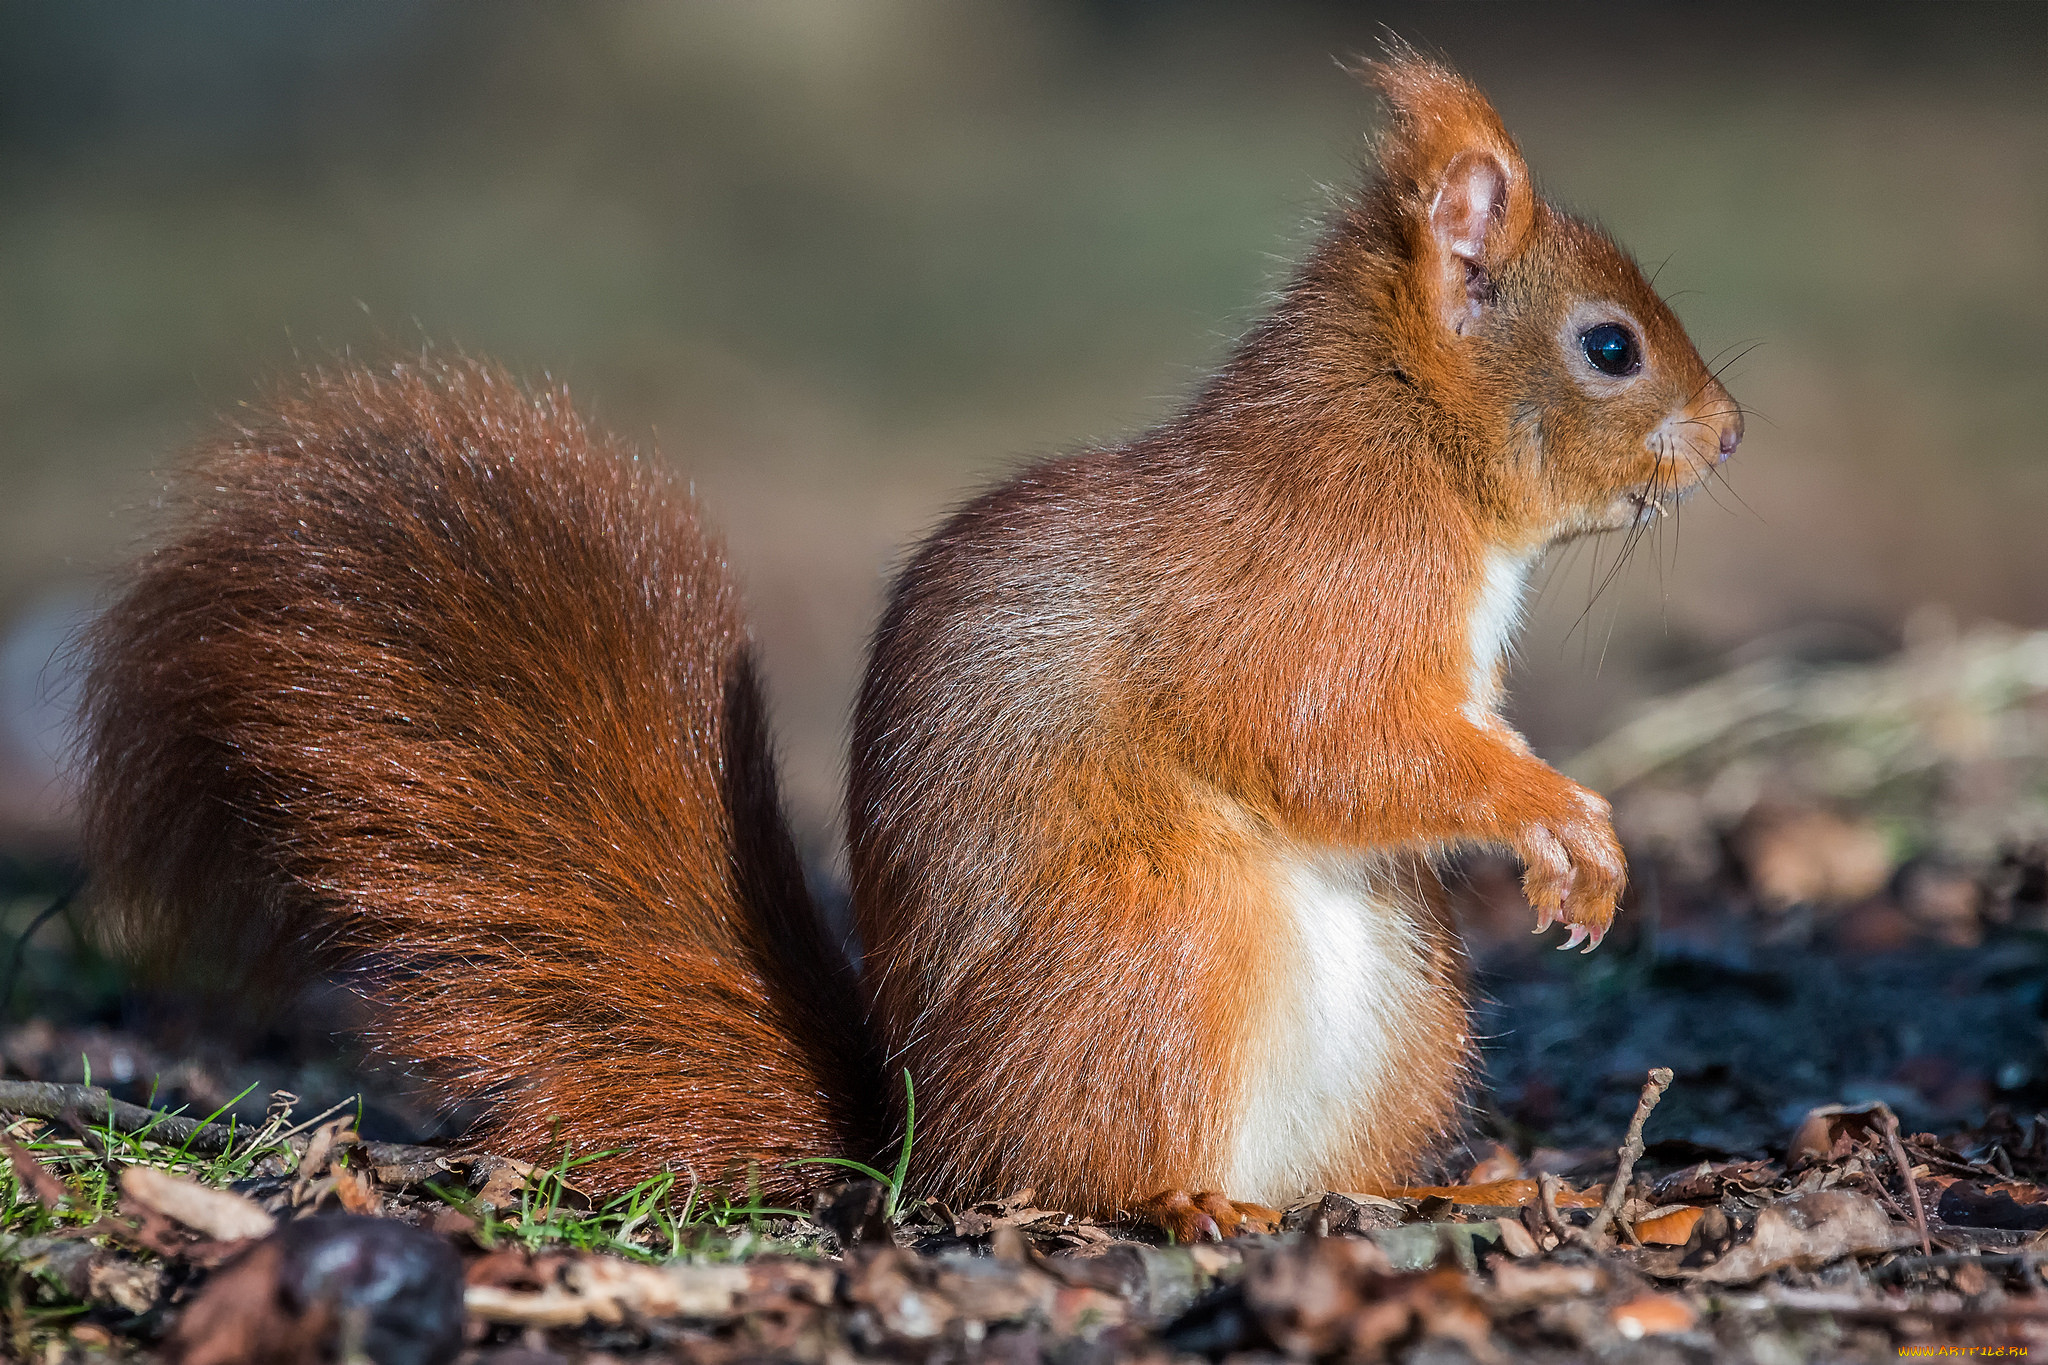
432,682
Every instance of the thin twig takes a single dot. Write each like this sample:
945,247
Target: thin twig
1631,1150
1898,1153
329,1112
1546,1193
1877,1188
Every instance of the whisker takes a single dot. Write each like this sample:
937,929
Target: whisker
1714,372
1706,486
1630,540
1733,407
1746,341
1663,588
1733,361
1628,548
1657,553
1720,475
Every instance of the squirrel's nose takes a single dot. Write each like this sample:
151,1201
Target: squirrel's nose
1731,435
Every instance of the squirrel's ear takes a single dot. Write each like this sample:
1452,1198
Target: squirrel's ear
1460,181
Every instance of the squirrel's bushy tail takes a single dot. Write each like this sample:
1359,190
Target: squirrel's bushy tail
435,686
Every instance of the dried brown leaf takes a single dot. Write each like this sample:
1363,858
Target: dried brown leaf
327,1139
1516,1240
1831,1131
1496,1165
1673,1229
44,1188
1503,1194
504,1181
221,1215
1521,1285
1808,1231
356,1191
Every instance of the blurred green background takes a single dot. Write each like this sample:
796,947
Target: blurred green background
845,261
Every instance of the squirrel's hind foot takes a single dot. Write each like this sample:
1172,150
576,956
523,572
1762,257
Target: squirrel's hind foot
1204,1216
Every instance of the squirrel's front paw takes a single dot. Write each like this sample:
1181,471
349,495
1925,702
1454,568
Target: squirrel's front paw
1572,868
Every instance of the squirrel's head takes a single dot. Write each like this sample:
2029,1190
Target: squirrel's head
1567,391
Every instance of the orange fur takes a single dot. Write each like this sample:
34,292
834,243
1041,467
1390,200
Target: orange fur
435,683
1155,749
1107,692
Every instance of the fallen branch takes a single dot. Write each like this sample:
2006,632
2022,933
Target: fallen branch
396,1163
1906,1267
1625,1167
45,1100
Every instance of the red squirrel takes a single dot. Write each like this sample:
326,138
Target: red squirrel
1156,750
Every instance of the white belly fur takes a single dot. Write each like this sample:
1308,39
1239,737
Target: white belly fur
1315,1074
1490,630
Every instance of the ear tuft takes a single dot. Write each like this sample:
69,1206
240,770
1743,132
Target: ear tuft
1436,114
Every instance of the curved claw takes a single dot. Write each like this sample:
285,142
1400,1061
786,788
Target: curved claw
1594,941
1578,936
1545,917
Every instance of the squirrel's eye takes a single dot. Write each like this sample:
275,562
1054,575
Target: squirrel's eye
1611,349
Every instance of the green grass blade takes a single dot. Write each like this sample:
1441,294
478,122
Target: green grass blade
903,1157
848,1162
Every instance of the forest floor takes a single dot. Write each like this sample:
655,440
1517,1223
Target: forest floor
1823,1010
